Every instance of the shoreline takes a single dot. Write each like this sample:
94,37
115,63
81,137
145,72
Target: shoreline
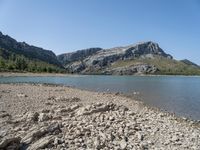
76,118
122,95
13,74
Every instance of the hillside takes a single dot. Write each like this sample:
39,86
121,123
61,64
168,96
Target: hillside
20,56
140,58
164,66
76,56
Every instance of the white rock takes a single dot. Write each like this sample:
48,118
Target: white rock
123,144
14,142
41,143
21,95
140,136
43,117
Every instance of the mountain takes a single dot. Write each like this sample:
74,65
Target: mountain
140,58
32,52
188,62
13,56
76,56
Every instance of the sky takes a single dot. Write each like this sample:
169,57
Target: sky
68,25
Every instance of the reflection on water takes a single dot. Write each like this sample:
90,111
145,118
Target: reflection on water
172,93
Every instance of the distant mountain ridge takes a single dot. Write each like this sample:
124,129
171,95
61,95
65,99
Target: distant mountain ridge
20,56
141,58
32,52
188,62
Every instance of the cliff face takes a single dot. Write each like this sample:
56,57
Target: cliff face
101,61
78,55
31,52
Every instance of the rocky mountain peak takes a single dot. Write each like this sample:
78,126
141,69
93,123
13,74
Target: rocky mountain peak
149,47
98,59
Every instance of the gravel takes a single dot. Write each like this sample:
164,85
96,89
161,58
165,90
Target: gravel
36,116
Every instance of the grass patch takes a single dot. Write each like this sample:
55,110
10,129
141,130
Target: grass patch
165,65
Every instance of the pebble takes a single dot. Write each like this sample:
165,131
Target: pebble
100,126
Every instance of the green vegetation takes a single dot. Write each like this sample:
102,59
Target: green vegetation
166,66
10,61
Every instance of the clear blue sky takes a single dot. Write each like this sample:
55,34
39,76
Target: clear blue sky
68,25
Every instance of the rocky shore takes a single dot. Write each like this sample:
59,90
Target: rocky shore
56,117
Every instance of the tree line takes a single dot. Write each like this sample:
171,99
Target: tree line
15,62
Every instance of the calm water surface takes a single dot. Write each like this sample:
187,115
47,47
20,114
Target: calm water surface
177,94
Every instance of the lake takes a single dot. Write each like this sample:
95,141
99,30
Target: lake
177,94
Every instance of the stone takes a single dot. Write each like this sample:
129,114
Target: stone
4,115
99,126
74,107
38,132
111,118
131,113
45,111
3,132
75,99
140,136
58,141
41,143
21,95
144,146
43,117
123,144
81,111
33,116
13,142
48,103
175,138
33,135
97,142
54,127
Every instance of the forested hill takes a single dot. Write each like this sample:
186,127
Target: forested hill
24,57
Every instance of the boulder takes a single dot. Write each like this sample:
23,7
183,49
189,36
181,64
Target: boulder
10,143
42,143
32,116
44,117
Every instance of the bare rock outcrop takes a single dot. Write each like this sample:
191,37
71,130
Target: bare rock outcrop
134,69
101,60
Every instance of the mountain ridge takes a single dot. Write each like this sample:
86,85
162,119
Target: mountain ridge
140,58
20,56
8,43
145,56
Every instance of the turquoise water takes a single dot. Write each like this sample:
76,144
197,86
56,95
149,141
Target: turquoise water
177,94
